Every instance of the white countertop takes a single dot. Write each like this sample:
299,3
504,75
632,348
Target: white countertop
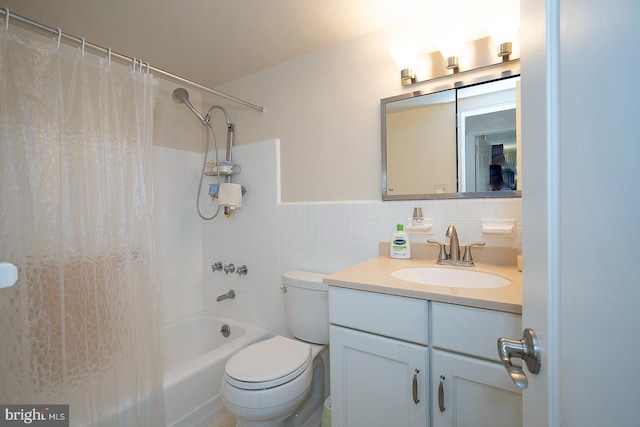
374,275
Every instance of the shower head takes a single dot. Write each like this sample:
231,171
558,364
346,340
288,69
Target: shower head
181,96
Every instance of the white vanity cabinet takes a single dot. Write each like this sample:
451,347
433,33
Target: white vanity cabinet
379,360
383,347
469,385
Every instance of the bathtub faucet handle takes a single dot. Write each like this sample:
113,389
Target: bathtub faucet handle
216,267
230,268
242,270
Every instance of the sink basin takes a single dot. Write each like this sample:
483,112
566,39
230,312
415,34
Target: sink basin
450,277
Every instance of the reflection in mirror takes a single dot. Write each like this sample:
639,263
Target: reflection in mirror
421,129
487,145
460,142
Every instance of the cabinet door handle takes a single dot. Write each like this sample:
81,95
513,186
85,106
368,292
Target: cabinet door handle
441,394
415,387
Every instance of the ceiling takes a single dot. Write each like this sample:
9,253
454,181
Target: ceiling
213,42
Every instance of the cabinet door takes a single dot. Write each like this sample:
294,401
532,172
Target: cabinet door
372,381
474,392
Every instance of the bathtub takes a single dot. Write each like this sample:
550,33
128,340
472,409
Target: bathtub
195,355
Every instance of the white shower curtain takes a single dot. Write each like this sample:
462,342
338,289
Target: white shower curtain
81,326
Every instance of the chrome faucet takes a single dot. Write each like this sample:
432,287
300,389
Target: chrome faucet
229,295
454,244
453,257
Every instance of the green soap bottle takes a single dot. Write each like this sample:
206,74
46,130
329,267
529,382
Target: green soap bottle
400,243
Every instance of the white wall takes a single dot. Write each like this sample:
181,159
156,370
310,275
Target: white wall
325,109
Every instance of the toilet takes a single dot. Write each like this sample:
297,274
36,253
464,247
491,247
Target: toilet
283,382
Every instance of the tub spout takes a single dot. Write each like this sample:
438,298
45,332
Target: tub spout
229,295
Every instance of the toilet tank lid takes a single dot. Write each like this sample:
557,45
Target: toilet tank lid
305,279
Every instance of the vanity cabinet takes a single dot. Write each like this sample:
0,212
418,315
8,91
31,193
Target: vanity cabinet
379,360
385,354
470,387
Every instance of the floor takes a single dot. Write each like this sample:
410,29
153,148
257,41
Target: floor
224,420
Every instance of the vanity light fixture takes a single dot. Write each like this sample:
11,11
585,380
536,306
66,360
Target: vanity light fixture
504,50
407,76
450,44
405,55
503,29
451,63
459,55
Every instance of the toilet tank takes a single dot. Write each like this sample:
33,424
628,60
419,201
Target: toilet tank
306,301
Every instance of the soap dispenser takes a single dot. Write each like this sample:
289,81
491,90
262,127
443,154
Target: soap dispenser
400,244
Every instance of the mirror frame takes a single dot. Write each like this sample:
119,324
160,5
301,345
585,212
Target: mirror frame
459,80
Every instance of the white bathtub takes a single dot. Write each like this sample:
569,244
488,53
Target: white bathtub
195,355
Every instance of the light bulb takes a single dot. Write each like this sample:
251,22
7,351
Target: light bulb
404,55
450,43
503,27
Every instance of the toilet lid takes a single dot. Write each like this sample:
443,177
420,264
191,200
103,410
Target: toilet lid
268,363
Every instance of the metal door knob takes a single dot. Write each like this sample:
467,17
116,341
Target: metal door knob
527,349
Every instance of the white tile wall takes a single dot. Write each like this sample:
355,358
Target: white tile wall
270,237
178,231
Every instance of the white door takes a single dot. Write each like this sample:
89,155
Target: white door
581,203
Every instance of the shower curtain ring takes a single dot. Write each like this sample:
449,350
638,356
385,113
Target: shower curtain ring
147,65
82,38
109,56
140,65
6,18
59,35
133,62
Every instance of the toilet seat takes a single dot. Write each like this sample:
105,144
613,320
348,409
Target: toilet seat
268,363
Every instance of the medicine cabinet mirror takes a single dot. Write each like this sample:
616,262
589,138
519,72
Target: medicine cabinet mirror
457,142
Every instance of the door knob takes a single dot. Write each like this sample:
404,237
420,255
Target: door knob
527,349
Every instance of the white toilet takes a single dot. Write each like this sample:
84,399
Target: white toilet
283,382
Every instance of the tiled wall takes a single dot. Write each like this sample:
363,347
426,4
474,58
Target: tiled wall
178,231
270,237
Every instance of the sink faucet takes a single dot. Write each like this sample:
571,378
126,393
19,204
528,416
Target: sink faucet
453,257
229,295
454,245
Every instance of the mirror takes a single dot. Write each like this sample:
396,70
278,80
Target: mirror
459,142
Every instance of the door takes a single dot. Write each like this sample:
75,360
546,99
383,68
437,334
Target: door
580,210
373,379
472,392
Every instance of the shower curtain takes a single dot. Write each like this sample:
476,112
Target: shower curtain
81,326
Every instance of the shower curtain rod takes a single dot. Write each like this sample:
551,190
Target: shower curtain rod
107,51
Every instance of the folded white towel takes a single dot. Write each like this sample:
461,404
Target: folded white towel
230,195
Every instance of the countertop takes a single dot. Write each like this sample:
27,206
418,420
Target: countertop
374,275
